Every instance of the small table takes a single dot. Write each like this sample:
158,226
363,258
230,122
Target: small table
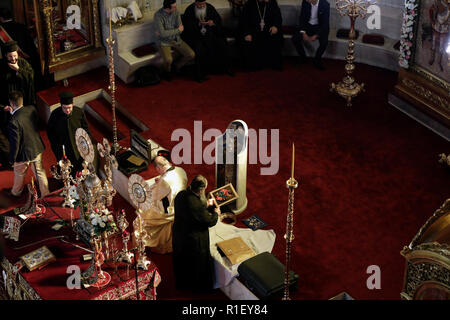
226,274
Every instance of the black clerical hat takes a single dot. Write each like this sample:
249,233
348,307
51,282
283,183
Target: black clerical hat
10,46
200,0
66,97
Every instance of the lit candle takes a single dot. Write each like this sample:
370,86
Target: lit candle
110,34
64,152
293,157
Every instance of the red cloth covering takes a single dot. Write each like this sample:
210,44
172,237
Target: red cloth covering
145,50
4,35
288,29
376,39
74,36
345,34
50,281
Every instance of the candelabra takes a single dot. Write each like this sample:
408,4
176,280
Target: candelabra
289,236
347,88
65,167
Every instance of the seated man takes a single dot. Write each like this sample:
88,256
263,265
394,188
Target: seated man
260,28
314,24
159,219
203,32
169,27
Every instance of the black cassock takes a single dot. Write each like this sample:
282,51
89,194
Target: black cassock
192,262
61,130
210,46
265,49
19,32
11,80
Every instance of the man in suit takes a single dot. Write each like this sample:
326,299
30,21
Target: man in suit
314,25
16,74
26,146
62,125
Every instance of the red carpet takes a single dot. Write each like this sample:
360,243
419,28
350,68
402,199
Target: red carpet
369,175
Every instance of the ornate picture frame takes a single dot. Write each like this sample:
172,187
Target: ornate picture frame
224,195
424,81
431,39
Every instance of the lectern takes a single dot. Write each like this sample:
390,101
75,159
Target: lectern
231,162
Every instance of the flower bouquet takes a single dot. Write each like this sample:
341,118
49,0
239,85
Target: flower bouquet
102,221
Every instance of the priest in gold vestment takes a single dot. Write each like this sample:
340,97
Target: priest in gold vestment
158,220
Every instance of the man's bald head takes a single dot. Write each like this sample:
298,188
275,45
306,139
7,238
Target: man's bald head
161,164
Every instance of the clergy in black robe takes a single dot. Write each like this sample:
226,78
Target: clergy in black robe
19,33
204,34
261,37
192,262
62,125
16,74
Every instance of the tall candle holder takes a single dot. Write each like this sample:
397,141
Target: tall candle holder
140,195
291,184
347,88
112,86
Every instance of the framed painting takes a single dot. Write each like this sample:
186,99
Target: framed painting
223,195
432,41
424,75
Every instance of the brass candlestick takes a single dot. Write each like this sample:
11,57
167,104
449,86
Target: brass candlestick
140,234
347,88
112,86
289,236
122,223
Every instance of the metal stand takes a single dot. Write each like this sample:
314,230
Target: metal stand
112,88
136,273
347,88
289,236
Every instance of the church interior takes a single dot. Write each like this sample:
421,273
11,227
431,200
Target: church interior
346,166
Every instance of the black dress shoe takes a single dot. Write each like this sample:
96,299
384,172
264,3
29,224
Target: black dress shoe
6,167
302,60
229,72
318,64
201,79
277,67
167,76
8,192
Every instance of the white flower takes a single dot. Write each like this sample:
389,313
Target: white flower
73,193
97,220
